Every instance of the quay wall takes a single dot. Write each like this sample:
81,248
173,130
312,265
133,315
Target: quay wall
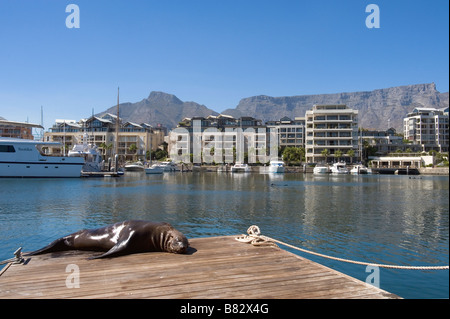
309,169
434,170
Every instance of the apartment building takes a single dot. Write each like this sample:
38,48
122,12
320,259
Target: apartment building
331,134
134,140
385,142
290,133
427,127
17,129
219,139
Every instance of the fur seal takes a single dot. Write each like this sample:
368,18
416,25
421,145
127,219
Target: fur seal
128,237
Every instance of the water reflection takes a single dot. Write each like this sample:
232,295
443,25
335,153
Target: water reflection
383,219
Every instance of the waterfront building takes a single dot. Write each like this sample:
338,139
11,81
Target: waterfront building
290,133
399,161
20,130
386,142
134,140
219,139
331,134
428,127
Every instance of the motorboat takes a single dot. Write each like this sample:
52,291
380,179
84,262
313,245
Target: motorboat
276,166
321,169
240,168
360,169
339,168
90,153
169,166
154,169
222,168
27,158
134,167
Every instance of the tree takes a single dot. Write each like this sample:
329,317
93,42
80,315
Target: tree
293,154
325,153
159,154
351,154
338,154
132,148
107,148
368,150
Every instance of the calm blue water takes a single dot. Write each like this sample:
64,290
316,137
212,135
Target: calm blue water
379,218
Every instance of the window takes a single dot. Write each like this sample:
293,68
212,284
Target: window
7,149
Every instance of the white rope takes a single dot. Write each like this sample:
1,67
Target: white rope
255,238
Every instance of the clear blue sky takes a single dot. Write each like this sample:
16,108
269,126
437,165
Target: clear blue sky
213,52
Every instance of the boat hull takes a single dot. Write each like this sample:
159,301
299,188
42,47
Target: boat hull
134,168
25,158
339,168
276,167
321,171
273,169
240,168
41,170
154,170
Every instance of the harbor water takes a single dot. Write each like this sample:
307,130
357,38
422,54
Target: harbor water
383,219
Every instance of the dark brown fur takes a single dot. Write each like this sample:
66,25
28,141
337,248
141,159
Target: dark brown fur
123,238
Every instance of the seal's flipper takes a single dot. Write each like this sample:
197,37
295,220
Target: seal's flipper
56,245
117,249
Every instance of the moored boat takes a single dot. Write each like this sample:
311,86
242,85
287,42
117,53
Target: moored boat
169,166
321,169
93,159
134,167
339,168
360,169
154,169
276,166
240,168
27,158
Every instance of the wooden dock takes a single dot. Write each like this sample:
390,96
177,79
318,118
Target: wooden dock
215,267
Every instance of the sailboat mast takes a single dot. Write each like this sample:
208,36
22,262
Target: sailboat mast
117,124
42,123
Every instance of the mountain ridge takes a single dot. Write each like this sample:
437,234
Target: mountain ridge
378,109
159,108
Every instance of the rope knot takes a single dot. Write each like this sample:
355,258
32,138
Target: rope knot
254,230
255,238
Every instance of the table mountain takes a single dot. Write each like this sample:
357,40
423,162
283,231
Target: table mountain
377,109
160,108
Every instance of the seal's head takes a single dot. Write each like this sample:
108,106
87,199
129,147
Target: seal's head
177,243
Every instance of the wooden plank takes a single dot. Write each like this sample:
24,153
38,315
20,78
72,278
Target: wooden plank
217,267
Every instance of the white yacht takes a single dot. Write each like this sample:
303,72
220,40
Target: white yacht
240,168
339,168
276,166
154,169
321,169
26,158
360,169
91,155
169,166
134,167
